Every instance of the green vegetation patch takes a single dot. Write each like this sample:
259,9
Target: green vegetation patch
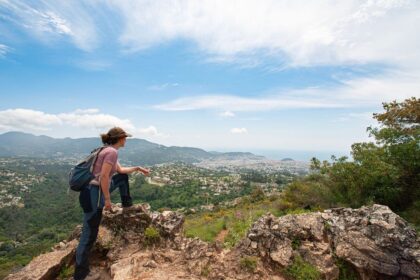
347,272
151,236
249,263
301,270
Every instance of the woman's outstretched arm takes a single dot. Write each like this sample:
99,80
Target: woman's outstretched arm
131,169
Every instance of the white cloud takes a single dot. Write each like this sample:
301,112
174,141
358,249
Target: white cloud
151,131
359,92
26,119
237,130
162,86
294,33
21,119
227,114
297,32
86,111
4,50
48,20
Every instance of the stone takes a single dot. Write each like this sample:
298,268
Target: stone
48,265
373,239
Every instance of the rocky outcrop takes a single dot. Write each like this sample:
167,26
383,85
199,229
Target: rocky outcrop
47,266
373,240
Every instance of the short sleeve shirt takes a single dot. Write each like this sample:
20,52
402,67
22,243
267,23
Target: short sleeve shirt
107,155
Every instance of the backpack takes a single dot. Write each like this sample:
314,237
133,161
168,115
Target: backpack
82,173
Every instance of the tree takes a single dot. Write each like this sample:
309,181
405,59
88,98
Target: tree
386,171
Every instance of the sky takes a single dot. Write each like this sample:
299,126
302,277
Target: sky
266,75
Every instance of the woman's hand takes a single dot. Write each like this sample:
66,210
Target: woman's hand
108,205
145,171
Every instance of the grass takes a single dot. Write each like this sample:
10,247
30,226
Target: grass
237,220
66,272
347,272
301,270
249,263
151,236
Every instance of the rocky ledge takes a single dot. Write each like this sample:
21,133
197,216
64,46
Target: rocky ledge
373,241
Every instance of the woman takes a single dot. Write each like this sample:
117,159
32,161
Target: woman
97,195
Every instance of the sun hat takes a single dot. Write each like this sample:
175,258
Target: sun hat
118,132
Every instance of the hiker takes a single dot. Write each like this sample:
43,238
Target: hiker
109,175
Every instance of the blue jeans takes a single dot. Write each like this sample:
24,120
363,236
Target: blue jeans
92,201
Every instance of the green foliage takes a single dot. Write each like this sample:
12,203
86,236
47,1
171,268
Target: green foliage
249,263
205,227
66,272
257,194
385,172
151,236
309,192
235,220
301,270
49,215
238,229
189,195
296,243
347,272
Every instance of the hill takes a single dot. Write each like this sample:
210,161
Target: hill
137,151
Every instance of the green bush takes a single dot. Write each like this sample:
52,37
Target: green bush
249,263
301,270
151,236
347,272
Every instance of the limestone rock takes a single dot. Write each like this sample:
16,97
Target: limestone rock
48,265
374,240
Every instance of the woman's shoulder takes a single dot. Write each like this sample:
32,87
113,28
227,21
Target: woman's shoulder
109,150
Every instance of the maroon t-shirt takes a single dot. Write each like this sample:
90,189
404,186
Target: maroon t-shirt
107,155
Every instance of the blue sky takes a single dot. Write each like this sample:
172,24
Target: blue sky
237,75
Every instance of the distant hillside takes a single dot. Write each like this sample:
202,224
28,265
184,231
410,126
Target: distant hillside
137,151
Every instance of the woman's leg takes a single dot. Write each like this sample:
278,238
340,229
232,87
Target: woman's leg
120,181
91,222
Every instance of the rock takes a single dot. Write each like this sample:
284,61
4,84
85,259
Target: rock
169,223
139,217
151,264
48,265
374,240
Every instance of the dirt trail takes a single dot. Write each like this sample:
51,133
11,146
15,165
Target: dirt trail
222,235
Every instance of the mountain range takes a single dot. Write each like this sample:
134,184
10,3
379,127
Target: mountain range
136,151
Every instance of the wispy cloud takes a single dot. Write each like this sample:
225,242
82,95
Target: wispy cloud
4,50
297,32
49,20
151,131
294,33
227,114
162,86
359,92
239,130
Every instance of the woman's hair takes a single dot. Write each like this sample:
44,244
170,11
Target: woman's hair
108,139
113,135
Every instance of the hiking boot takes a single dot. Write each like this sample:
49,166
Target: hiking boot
129,209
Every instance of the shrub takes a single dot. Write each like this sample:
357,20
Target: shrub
151,236
347,272
249,263
301,270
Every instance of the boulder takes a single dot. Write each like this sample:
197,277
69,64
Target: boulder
47,266
372,239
